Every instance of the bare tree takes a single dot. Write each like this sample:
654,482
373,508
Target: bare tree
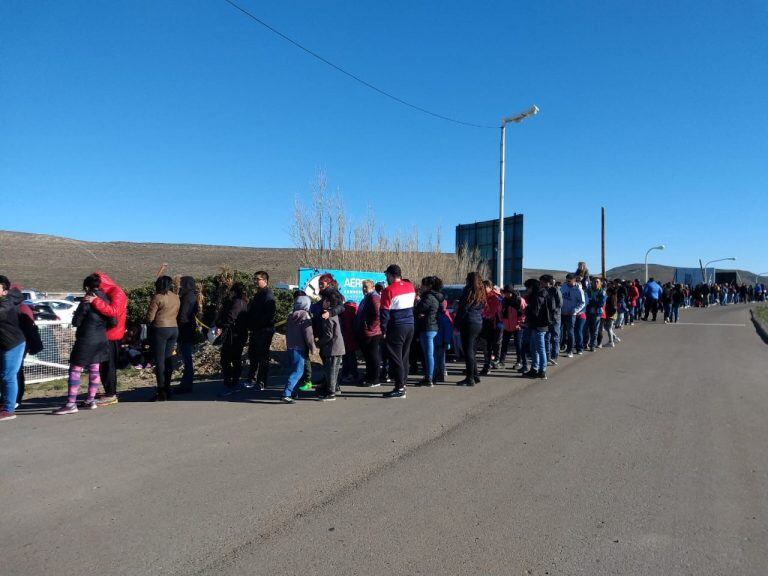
326,237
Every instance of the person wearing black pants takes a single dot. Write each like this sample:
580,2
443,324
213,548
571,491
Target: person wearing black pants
261,323
470,332
470,322
232,321
372,355
163,344
397,324
162,317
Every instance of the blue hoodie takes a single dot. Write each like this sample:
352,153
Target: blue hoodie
573,299
652,290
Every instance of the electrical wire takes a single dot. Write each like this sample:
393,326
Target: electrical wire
349,74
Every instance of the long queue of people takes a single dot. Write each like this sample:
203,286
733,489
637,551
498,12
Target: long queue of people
395,327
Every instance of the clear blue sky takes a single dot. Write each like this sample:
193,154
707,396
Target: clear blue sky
187,122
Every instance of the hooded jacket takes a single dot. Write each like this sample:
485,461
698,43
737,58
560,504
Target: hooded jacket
573,299
427,310
331,340
10,332
116,306
188,310
91,336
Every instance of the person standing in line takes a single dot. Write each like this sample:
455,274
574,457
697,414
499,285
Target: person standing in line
512,315
611,314
116,307
368,329
306,377
332,350
556,304
261,325
12,346
595,308
469,318
161,316
34,343
538,315
491,328
666,302
350,373
443,341
397,326
651,294
633,294
190,306
678,298
428,310
300,344
573,304
90,350
232,324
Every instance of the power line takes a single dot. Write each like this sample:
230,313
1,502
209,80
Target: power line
349,74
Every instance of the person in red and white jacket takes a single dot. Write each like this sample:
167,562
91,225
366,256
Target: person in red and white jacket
116,308
397,326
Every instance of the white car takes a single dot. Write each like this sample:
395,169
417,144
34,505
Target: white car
64,309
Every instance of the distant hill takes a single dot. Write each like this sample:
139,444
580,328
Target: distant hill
56,264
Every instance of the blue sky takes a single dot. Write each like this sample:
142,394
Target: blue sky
187,122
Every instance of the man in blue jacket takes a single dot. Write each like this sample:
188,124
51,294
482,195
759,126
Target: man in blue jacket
652,293
573,305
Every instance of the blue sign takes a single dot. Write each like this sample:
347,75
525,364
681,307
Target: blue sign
350,281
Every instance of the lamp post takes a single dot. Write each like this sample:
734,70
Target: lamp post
500,251
659,247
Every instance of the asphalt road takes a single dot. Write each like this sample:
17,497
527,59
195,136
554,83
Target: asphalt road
644,459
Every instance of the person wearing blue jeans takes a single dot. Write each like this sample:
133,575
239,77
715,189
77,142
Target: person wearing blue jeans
428,314
12,346
595,303
539,350
539,315
300,343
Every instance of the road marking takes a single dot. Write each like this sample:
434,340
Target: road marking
702,324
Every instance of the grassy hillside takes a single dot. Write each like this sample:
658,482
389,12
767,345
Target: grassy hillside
57,264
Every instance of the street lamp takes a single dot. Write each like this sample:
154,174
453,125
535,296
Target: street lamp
500,252
659,247
732,258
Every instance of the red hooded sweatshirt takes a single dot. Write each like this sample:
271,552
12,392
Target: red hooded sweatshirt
117,308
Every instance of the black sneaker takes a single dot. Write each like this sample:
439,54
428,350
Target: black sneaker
531,373
426,383
371,384
485,371
328,398
395,393
541,375
466,382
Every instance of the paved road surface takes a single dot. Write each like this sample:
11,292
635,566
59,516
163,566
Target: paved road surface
646,459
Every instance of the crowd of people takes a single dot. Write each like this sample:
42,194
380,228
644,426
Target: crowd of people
398,329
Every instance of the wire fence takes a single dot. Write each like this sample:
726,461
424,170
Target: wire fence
53,362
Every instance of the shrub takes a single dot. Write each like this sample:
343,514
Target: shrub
215,290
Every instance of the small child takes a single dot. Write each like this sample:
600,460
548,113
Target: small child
300,343
332,351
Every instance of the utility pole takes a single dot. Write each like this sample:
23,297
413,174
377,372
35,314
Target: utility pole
602,230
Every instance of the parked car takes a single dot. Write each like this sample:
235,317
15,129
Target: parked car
43,313
31,294
64,309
